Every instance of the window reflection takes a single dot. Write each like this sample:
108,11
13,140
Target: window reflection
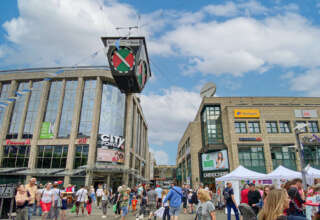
67,109
112,111
32,112
16,156
52,156
87,108
81,156
4,94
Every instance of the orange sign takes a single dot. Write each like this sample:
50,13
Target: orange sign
246,113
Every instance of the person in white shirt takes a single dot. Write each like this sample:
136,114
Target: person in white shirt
46,200
54,213
104,203
82,196
99,194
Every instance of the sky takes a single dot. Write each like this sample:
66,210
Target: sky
247,48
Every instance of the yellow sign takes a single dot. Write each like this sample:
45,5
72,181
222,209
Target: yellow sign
246,113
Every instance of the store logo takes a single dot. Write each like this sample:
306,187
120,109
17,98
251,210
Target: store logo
250,139
82,141
27,142
246,113
112,141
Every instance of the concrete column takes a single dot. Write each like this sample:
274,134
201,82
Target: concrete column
6,118
108,181
266,147
58,118
74,127
37,126
24,113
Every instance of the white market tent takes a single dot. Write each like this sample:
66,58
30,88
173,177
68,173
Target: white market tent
242,173
283,173
311,174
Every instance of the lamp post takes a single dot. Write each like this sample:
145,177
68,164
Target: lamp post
298,130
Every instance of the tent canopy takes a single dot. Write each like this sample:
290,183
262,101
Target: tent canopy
312,172
283,173
242,173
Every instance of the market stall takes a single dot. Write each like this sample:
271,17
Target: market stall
282,174
312,174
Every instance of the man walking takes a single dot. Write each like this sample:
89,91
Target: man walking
152,198
230,202
82,195
159,200
32,188
254,197
175,198
54,213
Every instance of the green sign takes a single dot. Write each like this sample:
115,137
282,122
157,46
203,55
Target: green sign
45,132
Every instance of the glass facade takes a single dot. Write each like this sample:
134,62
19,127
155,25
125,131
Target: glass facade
312,155
33,107
254,127
211,125
240,127
252,157
53,102
87,108
4,94
81,157
313,126
52,156
272,127
112,111
284,127
17,112
16,156
67,109
283,155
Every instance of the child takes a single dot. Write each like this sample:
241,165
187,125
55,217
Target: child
134,203
64,199
88,205
166,206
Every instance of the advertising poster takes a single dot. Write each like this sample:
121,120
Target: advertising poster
215,161
107,155
46,130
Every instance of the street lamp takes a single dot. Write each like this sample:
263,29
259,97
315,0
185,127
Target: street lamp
299,129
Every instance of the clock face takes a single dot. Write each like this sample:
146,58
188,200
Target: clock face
123,59
142,73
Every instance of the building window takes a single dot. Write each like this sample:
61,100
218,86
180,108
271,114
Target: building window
16,156
81,157
211,125
138,130
53,102
272,127
137,165
313,126
284,127
240,127
303,129
89,96
4,94
32,112
252,157
312,155
17,112
112,111
52,156
254,127
283,155
67,109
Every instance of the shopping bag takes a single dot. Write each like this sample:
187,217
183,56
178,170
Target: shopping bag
159,212
73,209
114,208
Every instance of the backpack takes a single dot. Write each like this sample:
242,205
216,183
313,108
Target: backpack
194,198
226,194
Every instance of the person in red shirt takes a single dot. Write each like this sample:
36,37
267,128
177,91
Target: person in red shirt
244,194
134,204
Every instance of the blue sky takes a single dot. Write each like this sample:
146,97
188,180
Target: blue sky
248,48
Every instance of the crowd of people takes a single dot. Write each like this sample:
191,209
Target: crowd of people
263,203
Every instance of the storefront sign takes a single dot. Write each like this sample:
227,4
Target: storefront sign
246,113
210,175
107,155
305,113
215,160
250,139
7,190
46,131
82,140
27,142
110,141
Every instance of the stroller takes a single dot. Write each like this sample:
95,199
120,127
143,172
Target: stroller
247,212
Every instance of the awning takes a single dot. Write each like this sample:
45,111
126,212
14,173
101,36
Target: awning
71,172
10,170
40,172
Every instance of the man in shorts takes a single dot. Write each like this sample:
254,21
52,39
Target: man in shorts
175,198
152,197
82,196
124,198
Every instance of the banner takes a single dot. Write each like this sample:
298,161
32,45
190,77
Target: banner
215,161
46,131
107,155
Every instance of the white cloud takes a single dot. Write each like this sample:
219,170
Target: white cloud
169,113
307,82
161,157
229,9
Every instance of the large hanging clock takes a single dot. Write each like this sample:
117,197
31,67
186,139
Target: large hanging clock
123,59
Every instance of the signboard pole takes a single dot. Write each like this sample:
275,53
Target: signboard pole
1,206
302,163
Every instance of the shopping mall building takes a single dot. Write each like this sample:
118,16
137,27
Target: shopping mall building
74,126
255,132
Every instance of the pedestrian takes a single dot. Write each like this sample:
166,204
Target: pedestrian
206,209
89,205
46,200
64,204
143,201
273,209
159,192
22,200
166,214
38,206
175,198
32,188
230,202
296,198
190,202
124,198
185,198
92,194
254,197
118,201
134,203
104,202
99,195
152,198
54,211
81,198
244,194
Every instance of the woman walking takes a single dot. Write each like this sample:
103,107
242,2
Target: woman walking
46,200
22,198
104,202
166,214
206,209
